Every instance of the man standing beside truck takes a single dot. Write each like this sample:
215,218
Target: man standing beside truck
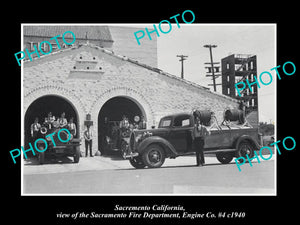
199,133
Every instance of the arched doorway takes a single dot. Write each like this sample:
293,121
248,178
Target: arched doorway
114,109
40,109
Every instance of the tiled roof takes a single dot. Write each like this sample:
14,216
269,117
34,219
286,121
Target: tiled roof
101,33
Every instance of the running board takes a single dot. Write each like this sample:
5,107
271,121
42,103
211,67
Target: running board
220,150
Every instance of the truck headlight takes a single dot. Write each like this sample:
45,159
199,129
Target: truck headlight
138,137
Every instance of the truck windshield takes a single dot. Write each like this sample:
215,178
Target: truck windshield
165,122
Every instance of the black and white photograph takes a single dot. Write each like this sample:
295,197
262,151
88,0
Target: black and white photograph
149,116
147,113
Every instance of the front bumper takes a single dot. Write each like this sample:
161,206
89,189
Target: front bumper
131,155
68,150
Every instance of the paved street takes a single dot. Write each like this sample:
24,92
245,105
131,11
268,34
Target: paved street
105,175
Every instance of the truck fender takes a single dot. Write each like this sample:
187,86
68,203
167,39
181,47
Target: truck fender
168,147
246,138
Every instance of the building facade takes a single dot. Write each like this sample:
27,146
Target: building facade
89,80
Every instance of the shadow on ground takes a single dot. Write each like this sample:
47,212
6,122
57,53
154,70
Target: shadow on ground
33,161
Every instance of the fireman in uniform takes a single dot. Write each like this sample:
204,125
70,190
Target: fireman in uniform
88,137
62,121
72,127
49,120
105,136
34,128
142,123
124,123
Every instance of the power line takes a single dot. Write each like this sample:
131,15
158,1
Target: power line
212,66
182,58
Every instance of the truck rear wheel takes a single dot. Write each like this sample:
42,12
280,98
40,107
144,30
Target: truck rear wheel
224,157
153,156
245,148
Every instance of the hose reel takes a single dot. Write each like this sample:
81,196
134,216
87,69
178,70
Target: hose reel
204,116
234,115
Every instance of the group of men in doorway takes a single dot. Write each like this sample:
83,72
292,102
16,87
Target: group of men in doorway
50,122
138,123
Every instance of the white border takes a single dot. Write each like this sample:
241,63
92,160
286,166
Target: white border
22,113
139,25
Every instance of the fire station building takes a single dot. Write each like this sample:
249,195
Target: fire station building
105,74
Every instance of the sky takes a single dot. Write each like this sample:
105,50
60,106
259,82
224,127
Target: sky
256,39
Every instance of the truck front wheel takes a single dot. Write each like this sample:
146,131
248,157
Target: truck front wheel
153,156
41,158
224,157
137,163
77,154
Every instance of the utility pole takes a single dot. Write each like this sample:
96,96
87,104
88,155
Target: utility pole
182,58
212,66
